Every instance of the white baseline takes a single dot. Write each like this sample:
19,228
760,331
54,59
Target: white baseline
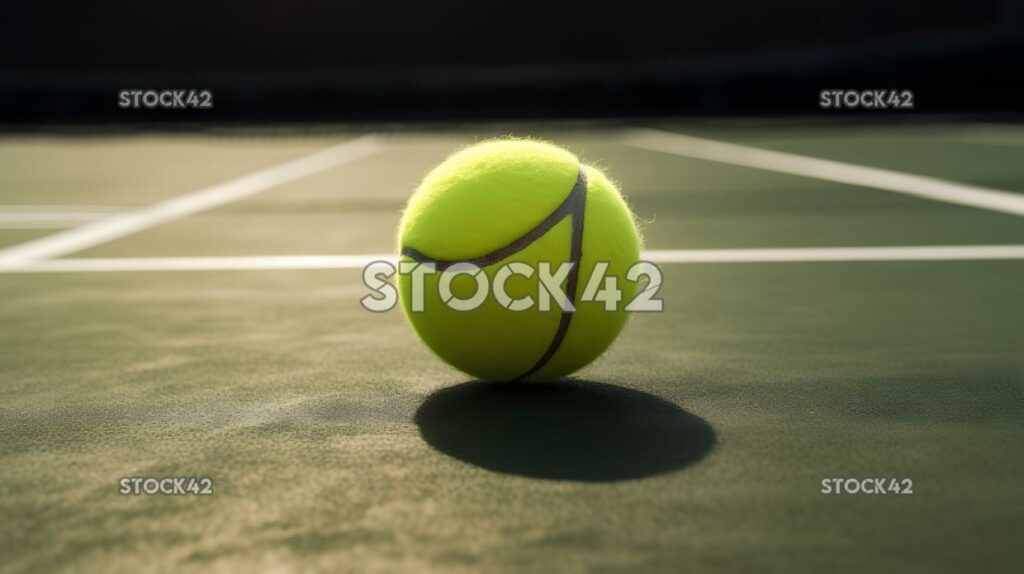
284,262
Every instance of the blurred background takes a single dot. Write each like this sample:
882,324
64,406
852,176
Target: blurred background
308,61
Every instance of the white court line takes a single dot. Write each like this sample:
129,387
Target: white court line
85,208
17,216
991,140
884,179
49,219
118,226
56,208
52,224
244,263
241,263
838,254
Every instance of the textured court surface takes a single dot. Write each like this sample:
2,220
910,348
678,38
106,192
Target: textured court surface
336,442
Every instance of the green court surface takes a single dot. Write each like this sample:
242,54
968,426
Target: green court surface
336,442
9,237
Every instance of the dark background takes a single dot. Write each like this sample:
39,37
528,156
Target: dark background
347,61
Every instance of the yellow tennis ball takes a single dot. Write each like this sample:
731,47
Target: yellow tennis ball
499,205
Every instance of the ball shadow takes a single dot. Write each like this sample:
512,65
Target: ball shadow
565,430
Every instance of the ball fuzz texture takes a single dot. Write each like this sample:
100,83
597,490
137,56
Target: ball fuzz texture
517,201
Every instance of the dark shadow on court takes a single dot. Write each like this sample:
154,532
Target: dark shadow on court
567,430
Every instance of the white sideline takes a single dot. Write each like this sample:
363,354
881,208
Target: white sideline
828,170
814,254
121,225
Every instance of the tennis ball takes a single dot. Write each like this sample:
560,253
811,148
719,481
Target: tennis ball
505,202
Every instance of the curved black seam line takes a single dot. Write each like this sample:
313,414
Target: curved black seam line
574,205
578,210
